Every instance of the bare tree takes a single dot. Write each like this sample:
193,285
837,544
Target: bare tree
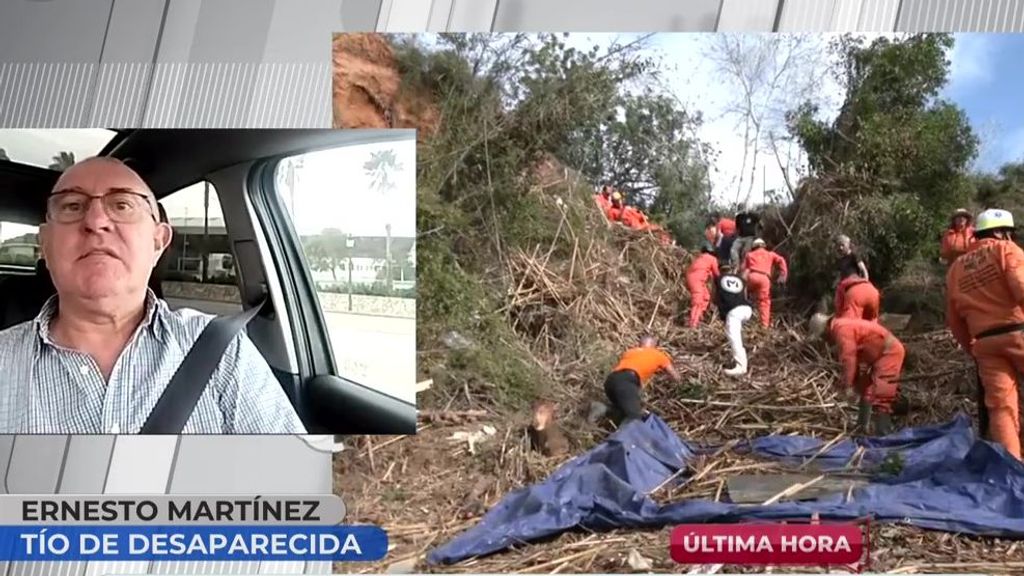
771,73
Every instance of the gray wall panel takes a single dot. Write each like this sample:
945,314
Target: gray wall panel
86,464
807,15
6,456
961,16
35,464
606,15
359,16
133,31
281,464
46,94
748,15
879,15
53,31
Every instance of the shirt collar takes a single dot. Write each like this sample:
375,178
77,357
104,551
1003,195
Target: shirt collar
153,317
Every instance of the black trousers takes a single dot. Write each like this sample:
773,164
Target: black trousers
623,390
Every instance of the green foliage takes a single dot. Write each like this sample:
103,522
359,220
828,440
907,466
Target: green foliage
1004,189
508,103
894,160
891,229
326,252
62,161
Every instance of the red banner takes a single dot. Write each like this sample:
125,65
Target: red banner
770,544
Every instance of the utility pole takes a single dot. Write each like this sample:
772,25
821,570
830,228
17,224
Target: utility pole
387,255
349,243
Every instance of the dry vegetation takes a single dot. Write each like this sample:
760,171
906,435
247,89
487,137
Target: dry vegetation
557,315
574,305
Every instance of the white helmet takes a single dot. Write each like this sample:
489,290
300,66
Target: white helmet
817,325
992,219
758,242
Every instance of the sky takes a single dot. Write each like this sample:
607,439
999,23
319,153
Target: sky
986,80
332,189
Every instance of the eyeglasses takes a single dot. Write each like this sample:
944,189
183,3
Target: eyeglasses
123,207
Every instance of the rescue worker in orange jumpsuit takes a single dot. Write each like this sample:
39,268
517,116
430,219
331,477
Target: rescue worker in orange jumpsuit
958,237
614,211
865,342
726,237
634,218
633,373
757,269
703,268
857,297
985,313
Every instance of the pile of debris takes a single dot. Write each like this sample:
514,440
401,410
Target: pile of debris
576,304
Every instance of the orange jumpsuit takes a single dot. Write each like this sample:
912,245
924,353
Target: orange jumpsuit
985,294
634,218
645,362
613,212
603,202
955,243
857,298
726,227
703,268
863,341
758,266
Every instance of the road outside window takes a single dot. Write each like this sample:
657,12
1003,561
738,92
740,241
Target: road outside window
354,209
198,270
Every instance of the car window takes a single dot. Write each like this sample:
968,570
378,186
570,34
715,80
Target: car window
19,244
198,270
354,209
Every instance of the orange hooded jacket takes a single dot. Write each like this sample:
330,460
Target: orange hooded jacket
985,289
955,243
762,261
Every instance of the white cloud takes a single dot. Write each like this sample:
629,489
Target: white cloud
970,61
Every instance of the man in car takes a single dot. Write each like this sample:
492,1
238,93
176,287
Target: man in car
102,350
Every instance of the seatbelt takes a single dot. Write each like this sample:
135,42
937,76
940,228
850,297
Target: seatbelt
179,399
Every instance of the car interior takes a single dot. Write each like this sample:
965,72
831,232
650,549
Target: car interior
270,267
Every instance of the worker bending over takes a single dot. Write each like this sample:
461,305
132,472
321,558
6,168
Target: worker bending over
735,310
857,297
758,266
984,299
865,342
633,373
958,237
703,268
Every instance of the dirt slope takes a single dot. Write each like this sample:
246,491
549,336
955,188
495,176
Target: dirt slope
367,88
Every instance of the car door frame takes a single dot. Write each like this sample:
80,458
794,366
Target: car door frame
314,353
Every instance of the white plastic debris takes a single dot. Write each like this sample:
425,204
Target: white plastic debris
636,561
473,438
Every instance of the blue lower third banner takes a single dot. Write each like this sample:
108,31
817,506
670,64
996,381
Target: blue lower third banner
193,543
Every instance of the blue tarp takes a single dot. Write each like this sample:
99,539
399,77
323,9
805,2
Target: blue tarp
949,481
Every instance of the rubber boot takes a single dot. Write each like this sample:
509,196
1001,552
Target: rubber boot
882,424
863,417
901,406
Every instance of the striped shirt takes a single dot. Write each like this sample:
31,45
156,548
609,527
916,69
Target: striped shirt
50,389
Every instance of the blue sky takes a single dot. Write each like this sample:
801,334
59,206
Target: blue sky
987,81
